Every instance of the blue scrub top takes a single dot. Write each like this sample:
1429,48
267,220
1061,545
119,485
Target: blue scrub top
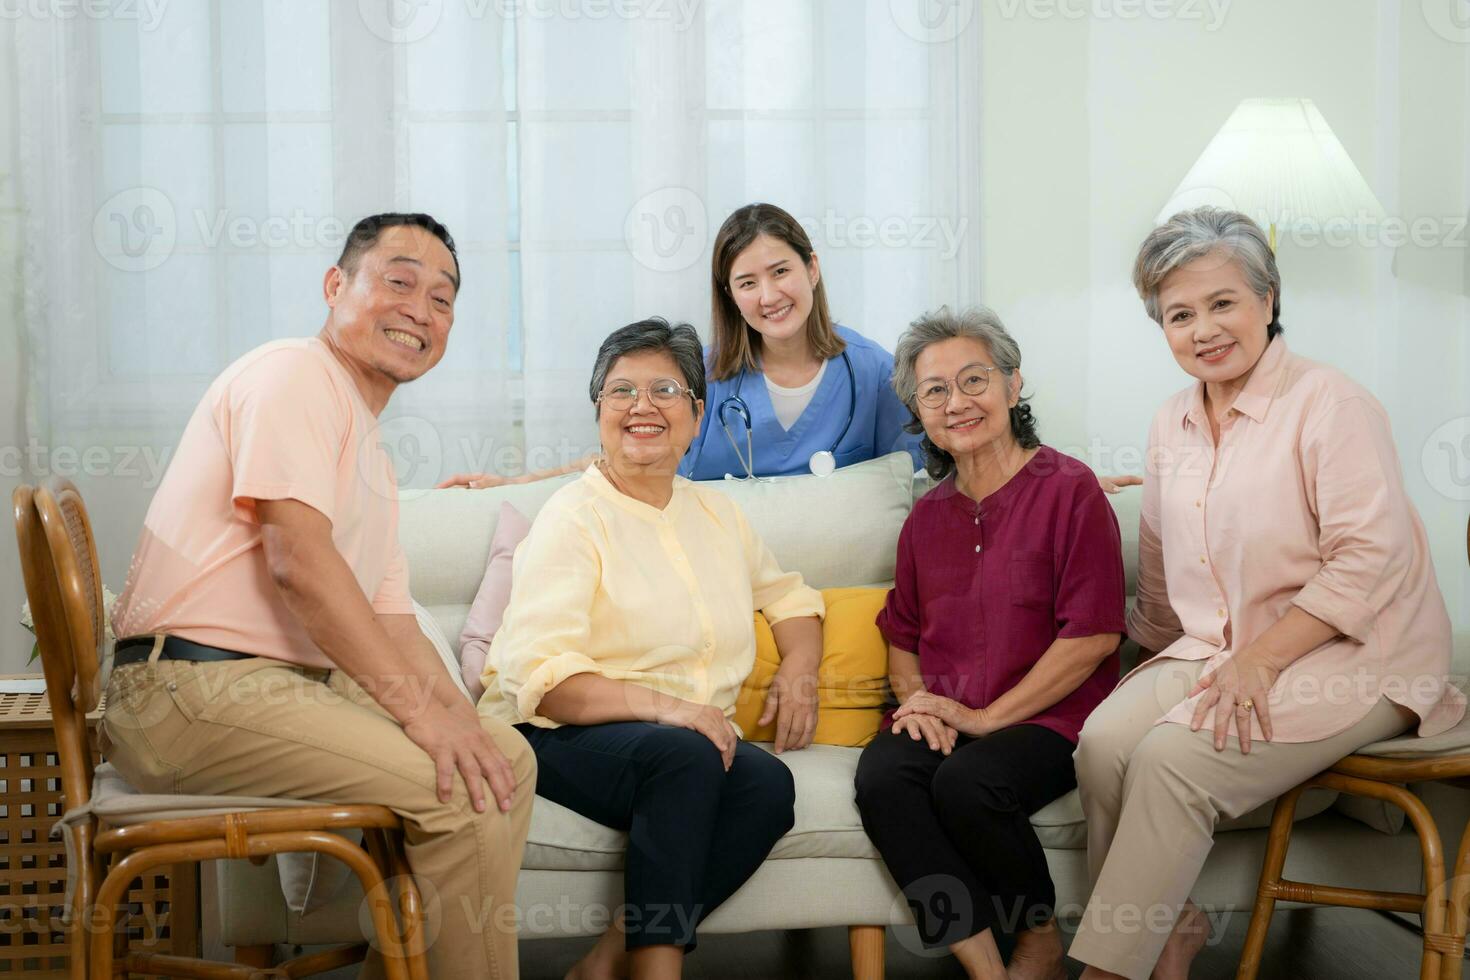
876,430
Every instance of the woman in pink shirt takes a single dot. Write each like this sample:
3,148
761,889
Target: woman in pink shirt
1284,583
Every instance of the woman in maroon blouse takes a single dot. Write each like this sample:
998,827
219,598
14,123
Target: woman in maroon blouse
1003,627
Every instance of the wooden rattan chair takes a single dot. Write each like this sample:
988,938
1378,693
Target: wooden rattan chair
1380,772
59,564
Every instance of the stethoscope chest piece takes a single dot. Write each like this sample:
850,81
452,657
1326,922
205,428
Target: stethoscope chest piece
823,462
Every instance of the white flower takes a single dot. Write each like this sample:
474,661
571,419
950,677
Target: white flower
108,601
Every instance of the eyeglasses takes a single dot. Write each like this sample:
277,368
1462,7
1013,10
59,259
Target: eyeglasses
664,392
973,379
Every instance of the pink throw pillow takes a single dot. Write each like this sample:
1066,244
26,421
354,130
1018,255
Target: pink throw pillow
490,602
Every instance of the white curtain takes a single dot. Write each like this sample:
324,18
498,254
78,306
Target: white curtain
187,171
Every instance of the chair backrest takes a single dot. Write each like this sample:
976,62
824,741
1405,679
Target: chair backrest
58,559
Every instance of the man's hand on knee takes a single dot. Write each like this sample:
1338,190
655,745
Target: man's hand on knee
455,740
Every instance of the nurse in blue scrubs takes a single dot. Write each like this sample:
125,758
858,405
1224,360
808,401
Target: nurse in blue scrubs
790,392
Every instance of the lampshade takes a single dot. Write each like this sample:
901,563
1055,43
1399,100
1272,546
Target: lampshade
1277,161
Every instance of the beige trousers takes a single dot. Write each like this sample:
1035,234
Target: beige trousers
1153,796
259,727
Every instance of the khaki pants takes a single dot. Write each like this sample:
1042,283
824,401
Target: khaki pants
1153,796
259,727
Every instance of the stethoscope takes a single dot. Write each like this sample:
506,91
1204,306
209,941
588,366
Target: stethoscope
823,462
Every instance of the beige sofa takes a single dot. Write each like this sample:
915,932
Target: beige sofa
839,530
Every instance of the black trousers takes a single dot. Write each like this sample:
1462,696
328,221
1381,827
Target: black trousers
955,831
695,831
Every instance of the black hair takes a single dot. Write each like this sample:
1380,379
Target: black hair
364,235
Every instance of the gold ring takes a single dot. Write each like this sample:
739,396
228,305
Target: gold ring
1247,704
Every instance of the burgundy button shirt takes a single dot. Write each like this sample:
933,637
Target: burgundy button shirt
981,591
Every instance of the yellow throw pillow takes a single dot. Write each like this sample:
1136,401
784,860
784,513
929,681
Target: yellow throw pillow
852,681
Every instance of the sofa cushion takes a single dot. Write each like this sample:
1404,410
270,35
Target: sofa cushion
836,530
852,682
827,822
488,610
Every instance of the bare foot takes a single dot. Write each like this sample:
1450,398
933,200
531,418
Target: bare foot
1191,932
608,960
1038,955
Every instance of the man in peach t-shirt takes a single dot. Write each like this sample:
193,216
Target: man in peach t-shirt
269,645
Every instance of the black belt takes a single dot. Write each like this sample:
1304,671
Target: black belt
137,649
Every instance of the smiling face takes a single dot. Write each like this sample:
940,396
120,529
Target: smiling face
773,288
966,424
1214,323
646,436
390,316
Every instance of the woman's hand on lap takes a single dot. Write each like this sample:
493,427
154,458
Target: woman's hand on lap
1247,676
706,719
927,728
968,721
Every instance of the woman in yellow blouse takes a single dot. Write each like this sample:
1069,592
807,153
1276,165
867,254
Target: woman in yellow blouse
624,646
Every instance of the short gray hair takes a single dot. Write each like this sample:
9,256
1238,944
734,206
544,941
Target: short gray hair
977,323
1191,235
680,341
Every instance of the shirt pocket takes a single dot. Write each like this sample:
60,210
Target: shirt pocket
1031,580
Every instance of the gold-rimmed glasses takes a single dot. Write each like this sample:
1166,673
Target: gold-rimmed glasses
662,392
972,379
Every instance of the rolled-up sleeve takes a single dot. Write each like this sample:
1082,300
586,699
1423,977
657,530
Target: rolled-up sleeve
1365,539
898,620
544,638
1152,623
779,595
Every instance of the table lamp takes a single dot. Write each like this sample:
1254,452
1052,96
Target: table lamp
1277,161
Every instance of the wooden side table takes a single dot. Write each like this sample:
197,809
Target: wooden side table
163,908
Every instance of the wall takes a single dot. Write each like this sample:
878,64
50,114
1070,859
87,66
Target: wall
1090,123
15,643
